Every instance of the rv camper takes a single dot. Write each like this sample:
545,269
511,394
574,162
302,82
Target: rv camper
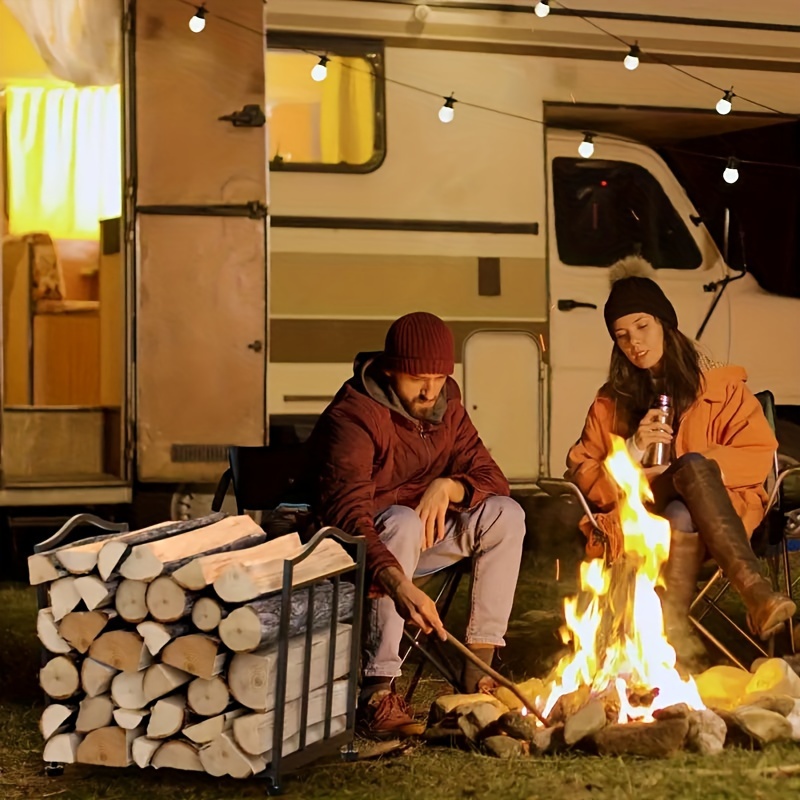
266,226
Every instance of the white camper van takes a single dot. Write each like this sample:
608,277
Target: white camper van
273,225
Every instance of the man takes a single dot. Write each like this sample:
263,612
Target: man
397,459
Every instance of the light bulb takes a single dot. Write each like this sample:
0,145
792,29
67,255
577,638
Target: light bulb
724,103
320,71
586,147
731,173
447,112
542,8
631,60
198,21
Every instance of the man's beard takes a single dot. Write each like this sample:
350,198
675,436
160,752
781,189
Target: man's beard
420,412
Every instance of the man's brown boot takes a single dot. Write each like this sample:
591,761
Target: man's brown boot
699,482
385,715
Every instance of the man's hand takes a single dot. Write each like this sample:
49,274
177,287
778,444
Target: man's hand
412,604
432,508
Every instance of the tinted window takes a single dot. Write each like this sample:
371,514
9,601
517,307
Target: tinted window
606,210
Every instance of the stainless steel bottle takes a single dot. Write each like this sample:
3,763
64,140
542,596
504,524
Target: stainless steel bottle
659,454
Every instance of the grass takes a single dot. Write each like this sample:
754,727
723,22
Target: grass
420,771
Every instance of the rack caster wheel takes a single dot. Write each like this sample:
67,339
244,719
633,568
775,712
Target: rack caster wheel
53,770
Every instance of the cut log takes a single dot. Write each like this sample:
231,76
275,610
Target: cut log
80,559
42,568
238,584
48,633
156,634
177,755
129,718
196,654
224,757
130,600
251,676
167,601
54,719
59,678
81,628
257,624
96,677
122,650
147,561
144,749
167,717
207,614
93,713
202,571
208,730
62,748
253,732
161,679
94,592
108,747
127,690
208,697
63,597
114,550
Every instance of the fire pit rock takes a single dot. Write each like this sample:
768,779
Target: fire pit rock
505,746
585,722
658,739
763,725
707,732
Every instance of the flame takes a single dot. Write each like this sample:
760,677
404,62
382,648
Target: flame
615,623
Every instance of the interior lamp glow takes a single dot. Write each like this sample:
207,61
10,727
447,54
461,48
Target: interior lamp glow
542,8
724,103
447,112
586,147
320,71
198,21
731,173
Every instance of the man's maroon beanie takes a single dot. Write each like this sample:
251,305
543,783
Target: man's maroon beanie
419,344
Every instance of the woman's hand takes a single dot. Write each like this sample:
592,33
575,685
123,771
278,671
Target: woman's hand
651,430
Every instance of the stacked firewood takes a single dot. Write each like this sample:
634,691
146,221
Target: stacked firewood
163,646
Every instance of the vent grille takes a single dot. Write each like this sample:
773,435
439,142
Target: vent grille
198,453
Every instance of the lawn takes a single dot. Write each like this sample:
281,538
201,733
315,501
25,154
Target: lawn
419,771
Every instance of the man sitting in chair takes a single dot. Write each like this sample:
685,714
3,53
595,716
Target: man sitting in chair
396,458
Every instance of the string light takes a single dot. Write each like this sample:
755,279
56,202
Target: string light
724,103
731,173
542,8
586,147
632,59
198,21
320,71
447,112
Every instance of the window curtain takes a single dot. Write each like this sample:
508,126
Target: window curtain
64,160
347,114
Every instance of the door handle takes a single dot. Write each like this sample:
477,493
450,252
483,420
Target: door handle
257,346
568,305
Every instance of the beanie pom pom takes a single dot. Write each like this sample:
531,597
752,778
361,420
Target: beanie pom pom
631,267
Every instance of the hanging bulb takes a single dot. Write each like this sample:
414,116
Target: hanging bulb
632,59
447,112
586,147
542,8
320,71
731,173
724,103
198,21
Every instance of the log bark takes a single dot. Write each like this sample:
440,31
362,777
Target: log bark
81,628
54,719
96,678
207,614
123,650
224,757
147,561
251,676
238,584
127,690
161,679
94,592
129,718
177,755
168,602
144,749
208,697
59,678
130,600
208,730
167,717
107,747
48,633
62,748
117,548
202,571
156,634
196,654
257,624
93,713
64,597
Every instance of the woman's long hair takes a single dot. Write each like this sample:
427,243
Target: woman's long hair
636,391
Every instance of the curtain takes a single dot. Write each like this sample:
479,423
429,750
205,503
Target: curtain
64,160
79,40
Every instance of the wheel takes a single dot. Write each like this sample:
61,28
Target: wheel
53,770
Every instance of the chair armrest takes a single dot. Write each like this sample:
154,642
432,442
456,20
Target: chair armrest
560,488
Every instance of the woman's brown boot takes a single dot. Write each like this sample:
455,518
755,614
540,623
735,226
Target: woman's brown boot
699,482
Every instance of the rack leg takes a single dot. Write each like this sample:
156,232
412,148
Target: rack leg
53,769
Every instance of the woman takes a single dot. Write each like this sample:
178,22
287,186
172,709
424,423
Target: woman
722,448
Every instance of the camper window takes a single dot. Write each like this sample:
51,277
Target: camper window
333,122
606,210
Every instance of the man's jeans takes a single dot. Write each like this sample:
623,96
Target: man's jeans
491,535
